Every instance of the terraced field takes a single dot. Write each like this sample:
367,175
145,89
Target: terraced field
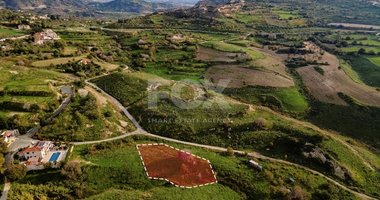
240,76
326,87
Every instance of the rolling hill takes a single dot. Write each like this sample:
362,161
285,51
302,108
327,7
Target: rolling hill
88,7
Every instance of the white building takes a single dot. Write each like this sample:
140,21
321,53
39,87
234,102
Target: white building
255,165
23,27
38,151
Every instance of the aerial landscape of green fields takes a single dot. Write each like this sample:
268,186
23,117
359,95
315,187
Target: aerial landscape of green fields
188,99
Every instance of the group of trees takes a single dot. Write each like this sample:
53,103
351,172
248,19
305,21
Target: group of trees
85,70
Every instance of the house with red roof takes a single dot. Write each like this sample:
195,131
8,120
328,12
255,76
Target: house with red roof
39,150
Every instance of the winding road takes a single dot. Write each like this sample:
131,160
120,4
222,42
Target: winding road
141,131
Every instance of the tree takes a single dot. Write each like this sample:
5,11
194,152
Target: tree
73,171
16,172
361,51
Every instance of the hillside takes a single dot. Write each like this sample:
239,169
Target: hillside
86,7
135,6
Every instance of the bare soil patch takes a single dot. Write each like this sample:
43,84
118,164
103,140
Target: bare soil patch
240,77
326,87
212,55
180,168
271,62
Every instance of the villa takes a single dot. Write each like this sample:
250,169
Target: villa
10,136
38,154
39,150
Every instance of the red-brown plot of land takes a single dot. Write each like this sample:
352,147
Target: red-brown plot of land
180,168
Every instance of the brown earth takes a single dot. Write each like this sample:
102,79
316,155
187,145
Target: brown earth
178,167
212,55
326,87
240,77
271,62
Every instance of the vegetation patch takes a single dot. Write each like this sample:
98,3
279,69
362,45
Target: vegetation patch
285,99
127,89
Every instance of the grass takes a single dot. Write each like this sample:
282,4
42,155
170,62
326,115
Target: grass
28,99
349,71
107,66
57,61
367,69
286,15
69,50
286,99
248,18
363,176
127,89
357,47
223,46
125,160
8,32
236,179
375,60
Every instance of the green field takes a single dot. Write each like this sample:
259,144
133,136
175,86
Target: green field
127,89
288,99
8,32
357,47
350,72
286,15
367,69
23,86
375,60
223,46
248,18
57,61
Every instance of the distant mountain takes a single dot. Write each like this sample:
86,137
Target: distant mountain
42,4
134,6
177,2
90,7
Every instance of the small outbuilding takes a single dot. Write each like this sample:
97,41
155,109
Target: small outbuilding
256,165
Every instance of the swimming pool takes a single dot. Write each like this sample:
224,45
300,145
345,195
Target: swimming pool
55,156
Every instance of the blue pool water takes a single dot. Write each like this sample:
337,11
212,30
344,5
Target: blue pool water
55,156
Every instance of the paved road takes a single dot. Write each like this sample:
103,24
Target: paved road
7,187
141,131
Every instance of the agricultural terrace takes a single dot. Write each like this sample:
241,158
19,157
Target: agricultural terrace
286,15
180,168
8,32
326,86
57,61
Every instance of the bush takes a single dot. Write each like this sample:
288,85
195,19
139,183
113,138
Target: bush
16,172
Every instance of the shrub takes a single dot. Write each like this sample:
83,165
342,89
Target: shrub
16,172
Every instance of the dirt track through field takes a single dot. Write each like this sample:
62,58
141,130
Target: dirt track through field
326,87
240,77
